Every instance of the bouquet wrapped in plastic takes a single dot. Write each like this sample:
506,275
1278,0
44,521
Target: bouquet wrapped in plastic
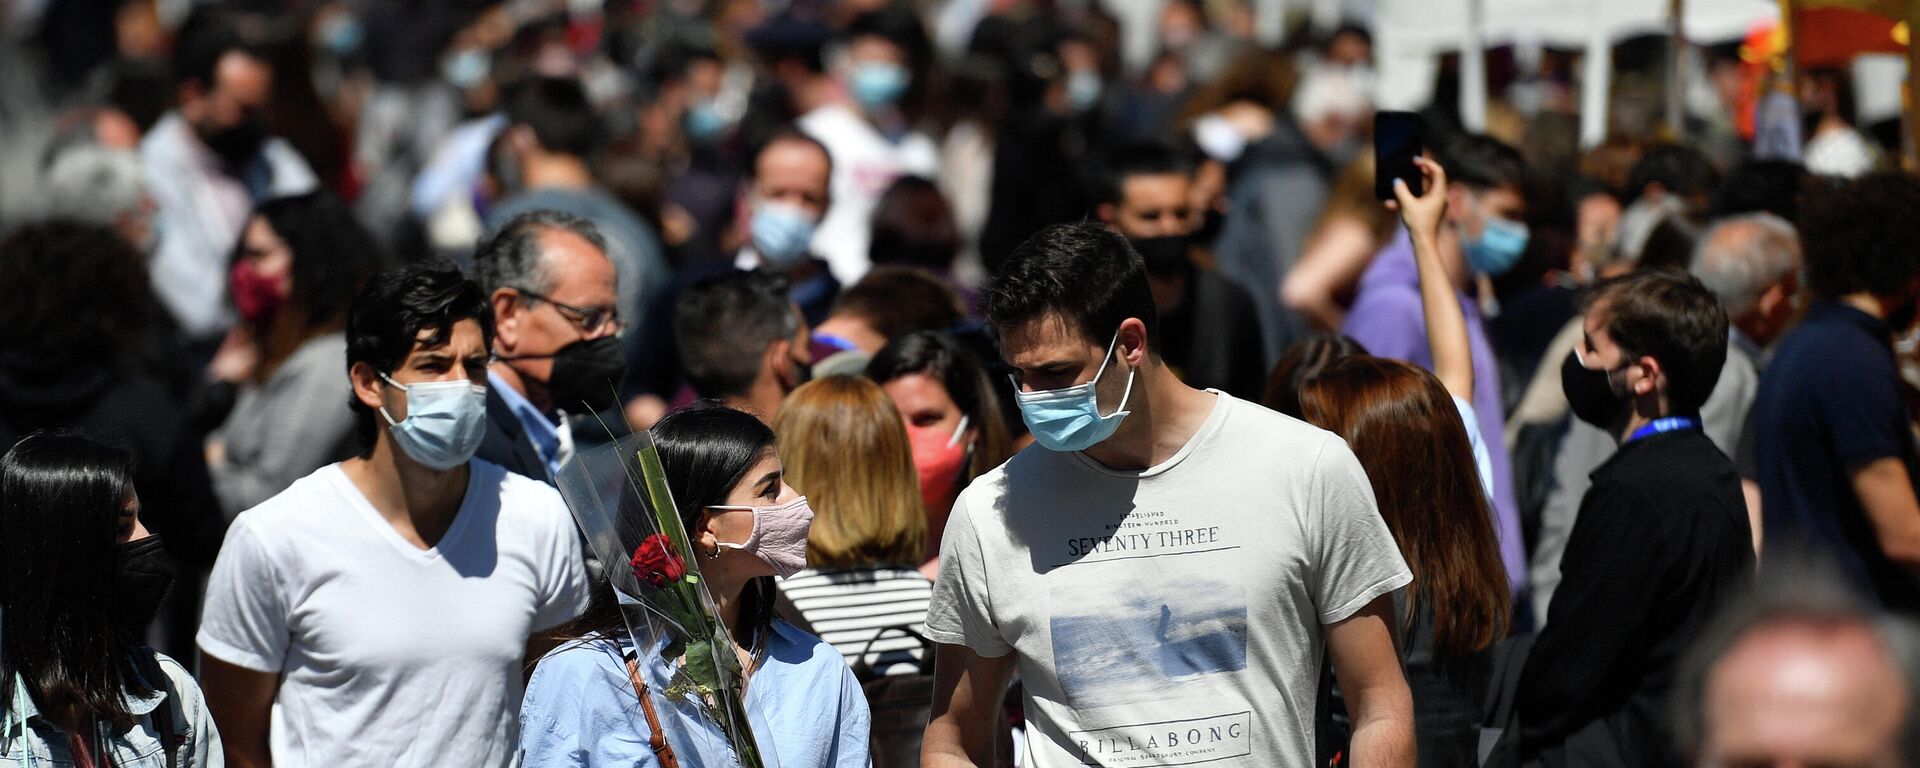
683,653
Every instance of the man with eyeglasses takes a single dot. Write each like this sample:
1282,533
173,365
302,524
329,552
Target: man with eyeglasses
557,353
382,611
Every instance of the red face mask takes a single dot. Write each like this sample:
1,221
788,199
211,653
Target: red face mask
255,296
939,455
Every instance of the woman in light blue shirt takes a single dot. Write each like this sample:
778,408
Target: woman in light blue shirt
80,578
747,525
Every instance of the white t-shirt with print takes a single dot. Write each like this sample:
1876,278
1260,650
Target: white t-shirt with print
391,655
1170,616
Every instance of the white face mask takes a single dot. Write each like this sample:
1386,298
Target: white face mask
446,420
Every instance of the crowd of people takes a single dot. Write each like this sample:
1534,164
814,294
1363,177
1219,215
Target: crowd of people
1022,403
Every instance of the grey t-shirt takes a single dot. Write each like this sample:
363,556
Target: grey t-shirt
1169,616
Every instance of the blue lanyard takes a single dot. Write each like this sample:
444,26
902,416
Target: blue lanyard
1664,425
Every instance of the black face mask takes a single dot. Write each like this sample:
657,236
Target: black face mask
141,581
1165,256
1591,395
1211,223
1900,317
586,375
238,144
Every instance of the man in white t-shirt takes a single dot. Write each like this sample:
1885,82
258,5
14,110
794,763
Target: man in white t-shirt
381,611
1165,569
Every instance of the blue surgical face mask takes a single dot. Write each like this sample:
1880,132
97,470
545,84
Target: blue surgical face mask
781,233
704,122
877,84
1498,248
466,67
342,34
445,421
1068,419
1083,89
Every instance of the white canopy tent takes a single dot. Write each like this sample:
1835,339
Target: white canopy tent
1410,35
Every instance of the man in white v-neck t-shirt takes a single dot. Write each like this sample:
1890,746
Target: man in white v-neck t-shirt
380,612
1166,566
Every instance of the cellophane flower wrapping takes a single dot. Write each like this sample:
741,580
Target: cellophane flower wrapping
619,498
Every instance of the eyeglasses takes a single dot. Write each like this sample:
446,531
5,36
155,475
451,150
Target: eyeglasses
589,320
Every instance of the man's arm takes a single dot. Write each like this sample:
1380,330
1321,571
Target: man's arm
241,701
967,691
1367,665
1886,493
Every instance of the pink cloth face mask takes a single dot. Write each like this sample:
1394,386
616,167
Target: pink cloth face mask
779,535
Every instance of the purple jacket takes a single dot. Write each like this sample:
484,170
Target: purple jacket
1387,319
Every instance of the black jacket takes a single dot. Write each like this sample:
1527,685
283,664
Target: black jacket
1214,338
1661,541
506,443
121,402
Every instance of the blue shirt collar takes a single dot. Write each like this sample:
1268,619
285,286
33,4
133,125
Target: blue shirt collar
542,430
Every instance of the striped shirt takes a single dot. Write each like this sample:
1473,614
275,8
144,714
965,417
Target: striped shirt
853,609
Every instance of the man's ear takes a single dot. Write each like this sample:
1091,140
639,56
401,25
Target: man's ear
1132,343
1655,376
191,97
366,385
1456,201
777,361
1107,212
507,312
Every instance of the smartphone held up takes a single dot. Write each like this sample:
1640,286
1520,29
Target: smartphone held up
1396,142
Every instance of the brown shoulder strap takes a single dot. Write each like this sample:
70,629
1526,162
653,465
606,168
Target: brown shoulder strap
658,740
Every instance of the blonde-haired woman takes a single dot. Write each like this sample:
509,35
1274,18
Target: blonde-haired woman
845,447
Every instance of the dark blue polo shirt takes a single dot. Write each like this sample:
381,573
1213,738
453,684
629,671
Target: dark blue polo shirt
1830,404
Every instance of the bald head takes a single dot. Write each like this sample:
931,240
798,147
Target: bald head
1806,692
1751,263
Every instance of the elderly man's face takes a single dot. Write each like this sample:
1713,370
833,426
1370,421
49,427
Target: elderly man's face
1804,696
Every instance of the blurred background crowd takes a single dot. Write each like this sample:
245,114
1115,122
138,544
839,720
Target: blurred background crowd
192,193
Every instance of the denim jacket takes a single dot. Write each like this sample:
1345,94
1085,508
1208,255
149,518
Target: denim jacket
196,743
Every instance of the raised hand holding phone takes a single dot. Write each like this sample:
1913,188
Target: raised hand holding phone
1425,214
1423,211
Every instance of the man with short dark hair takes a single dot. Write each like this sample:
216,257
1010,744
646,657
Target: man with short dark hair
208,162
382,611
889,302
1660,540
554,130
743,341
556,318
1485,234
1833,436
1209,325
1166,568
781,201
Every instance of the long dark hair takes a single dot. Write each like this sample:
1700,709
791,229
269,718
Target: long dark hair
61,496
706,451
1407,433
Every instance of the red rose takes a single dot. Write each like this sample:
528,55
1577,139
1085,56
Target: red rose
656,563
